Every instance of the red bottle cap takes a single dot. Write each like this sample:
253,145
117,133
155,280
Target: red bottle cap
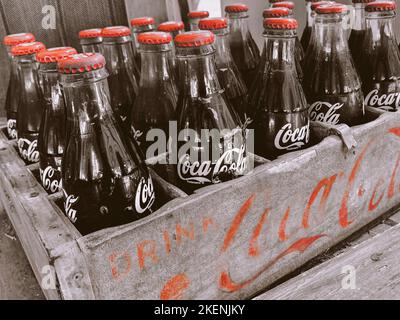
116,32
239,7
25,49
317,4
90,33
331,8
198,14
284,4
154,38
276,12
171,26
81,63
280,24
379,6
55,54
14,39
213,24
143,21
194,39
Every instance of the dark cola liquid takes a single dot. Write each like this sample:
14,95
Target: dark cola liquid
356,41
305,38
105,180
30,111
246,54
380,70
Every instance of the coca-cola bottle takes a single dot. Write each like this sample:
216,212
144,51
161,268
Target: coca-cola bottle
380,58
305,38
123,75
156,102
105,180
299,48
51,141
243,47
281,123
195,17
13,93
203,108
310,54
140,25
30,106
91,40
228,74
174,28
331,82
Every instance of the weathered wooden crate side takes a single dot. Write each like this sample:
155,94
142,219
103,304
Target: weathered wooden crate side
232,241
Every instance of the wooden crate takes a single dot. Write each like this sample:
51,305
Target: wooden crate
229,241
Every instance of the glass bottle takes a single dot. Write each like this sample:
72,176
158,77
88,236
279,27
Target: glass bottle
13,93
140,25
51,140
202,107
380,58
281,122
105,180
228,73
123,77
30,106
331,82
243,47
195,17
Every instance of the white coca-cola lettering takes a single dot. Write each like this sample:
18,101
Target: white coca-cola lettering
70,201
49,179
28,150
205,171
12,128
289,139
145,195
384,101
328,116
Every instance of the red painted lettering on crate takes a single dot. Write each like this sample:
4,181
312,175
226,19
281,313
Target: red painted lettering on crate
391,190
326,184
146,250
282,226
182,232
167,242
175,288
207,222
116,272
373,202
254,249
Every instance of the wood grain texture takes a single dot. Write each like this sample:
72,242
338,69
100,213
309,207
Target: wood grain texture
152,8
377,275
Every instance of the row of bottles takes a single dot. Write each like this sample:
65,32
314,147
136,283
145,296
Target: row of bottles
88,118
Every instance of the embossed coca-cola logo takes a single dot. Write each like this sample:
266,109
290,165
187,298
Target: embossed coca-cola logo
386,102
145,195
51,179
202,172
28,150
325,112
12,128
292,139
69,202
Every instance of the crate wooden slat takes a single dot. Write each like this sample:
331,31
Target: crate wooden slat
374,265
229,241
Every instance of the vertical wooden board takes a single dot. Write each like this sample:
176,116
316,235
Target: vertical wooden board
27,16
233,241
84,14
152,8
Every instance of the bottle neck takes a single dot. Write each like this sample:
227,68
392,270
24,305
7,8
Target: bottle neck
280,50
239,25
310,15
48,78
118,56
155,67
198,74
359,22
329,33
223,55
27,71
87,100
380,27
